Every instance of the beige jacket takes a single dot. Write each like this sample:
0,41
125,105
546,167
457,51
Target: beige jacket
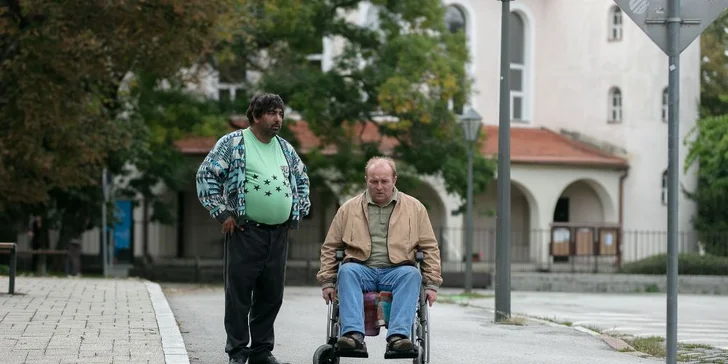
409,229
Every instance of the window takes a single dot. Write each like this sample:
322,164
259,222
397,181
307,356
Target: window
665,102
455,22
615,105
229,92
663,194
517,35
615,23
455,19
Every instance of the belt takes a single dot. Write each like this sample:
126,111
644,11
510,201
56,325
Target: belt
264,226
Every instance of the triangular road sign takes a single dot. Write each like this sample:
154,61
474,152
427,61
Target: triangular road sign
651,15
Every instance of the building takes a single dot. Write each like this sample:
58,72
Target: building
589,142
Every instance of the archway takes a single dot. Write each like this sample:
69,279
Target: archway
584,201
524,215
436,210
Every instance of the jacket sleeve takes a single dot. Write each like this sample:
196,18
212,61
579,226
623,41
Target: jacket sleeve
334,240
211,176
303,184
427,242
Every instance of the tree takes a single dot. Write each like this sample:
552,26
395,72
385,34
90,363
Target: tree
714,68
710,149
706,143
62,67
407,69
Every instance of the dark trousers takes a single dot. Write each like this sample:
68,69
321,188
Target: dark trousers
255,271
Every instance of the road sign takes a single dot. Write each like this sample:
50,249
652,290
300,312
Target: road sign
651,16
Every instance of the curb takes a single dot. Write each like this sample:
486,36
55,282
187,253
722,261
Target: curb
613,342
173,346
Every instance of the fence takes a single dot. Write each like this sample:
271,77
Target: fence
533,250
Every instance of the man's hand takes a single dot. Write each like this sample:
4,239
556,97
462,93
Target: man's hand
229,225
430,296
328,294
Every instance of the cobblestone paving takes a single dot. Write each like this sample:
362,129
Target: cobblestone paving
64,321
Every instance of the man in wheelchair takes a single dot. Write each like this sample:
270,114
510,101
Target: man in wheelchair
380,232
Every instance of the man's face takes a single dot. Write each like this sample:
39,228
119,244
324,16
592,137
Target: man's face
380,183
270,122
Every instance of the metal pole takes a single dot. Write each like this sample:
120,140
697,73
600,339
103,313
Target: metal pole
104,258
13,268
673,34
503,228
469,224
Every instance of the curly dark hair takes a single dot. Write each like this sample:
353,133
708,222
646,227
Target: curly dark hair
262,103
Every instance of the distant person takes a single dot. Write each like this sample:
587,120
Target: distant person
38,239
254,184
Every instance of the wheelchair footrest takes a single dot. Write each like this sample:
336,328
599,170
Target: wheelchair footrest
401,354
352,353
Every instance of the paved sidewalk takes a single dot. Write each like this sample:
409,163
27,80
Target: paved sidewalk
60,321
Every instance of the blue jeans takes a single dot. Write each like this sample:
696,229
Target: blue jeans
403,281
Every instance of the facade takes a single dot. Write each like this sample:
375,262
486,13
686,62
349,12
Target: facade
588,145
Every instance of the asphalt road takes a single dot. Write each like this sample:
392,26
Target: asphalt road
458,334
702,319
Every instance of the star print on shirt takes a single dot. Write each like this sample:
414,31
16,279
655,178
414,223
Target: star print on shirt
267,193
245,190
255,176
278,188
257,187
267,182
275,177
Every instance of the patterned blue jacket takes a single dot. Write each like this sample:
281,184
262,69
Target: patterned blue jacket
221,178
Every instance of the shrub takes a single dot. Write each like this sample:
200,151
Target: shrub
4,269
690,264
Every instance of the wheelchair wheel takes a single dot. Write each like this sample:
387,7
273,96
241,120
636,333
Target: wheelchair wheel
325,355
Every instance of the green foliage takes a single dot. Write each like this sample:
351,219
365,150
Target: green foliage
709,149
63,66
689,264
714,68
408,69
160,117
706,142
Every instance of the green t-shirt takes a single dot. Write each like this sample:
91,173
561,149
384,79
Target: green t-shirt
268,195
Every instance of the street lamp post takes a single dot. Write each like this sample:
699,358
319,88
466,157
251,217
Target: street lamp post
471,124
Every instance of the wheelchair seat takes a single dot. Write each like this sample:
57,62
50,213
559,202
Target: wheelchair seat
377,306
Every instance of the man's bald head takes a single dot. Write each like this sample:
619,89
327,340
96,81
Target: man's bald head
380,164
381,175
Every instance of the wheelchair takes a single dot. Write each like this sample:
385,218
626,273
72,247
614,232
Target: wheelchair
329,354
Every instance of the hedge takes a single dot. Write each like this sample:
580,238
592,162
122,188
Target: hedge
689,264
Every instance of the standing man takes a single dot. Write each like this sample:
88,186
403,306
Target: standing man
254,184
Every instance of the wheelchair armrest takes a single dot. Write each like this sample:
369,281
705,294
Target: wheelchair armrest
340,254
419,256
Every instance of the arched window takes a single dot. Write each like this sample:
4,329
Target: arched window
665,103
615,105
663,193
615,23
455,19
517,35
455,22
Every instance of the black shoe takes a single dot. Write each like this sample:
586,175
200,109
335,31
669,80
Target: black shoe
238,360
353,341
399,343
267,358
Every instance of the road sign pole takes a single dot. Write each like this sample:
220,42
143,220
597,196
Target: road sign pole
104,258
673,125
503,216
